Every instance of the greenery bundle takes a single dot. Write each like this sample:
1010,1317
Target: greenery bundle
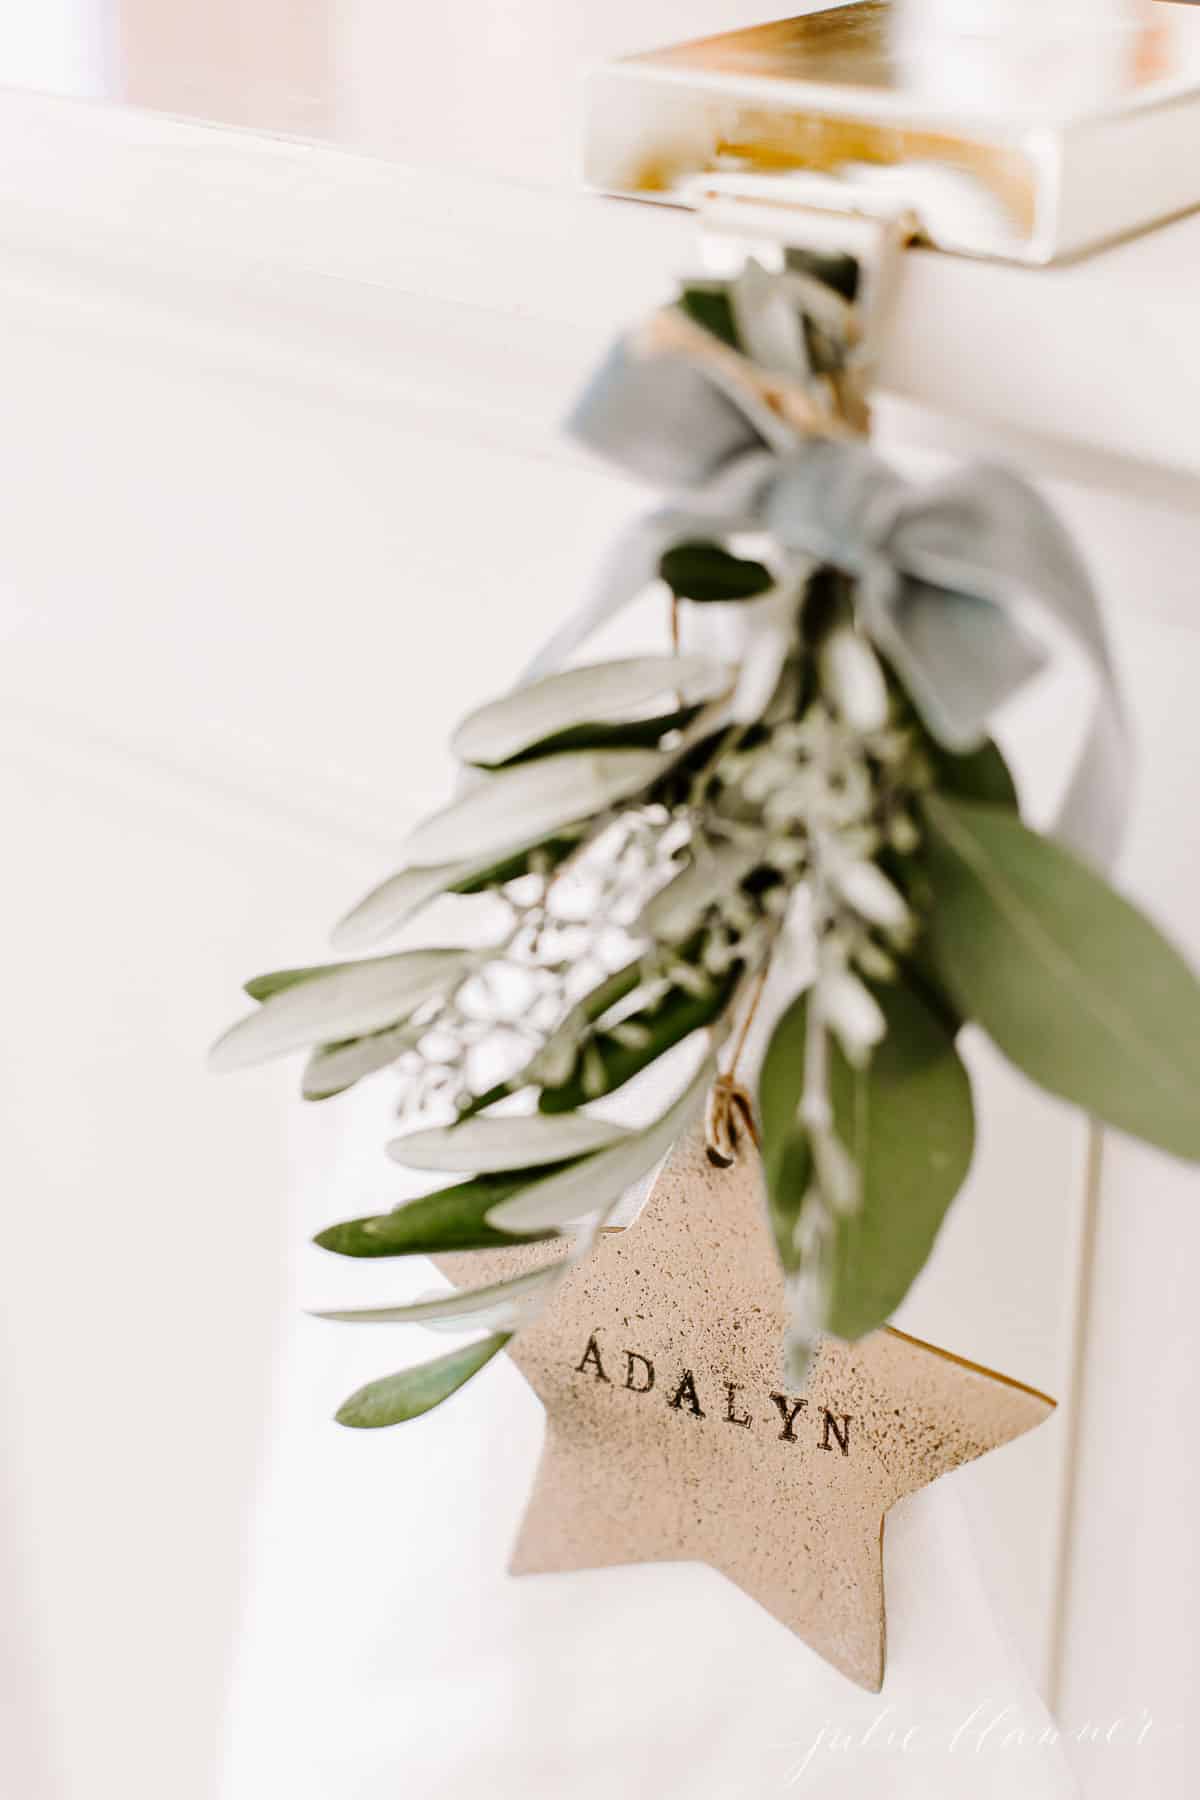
649,832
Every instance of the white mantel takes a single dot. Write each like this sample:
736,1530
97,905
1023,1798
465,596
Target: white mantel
1099,358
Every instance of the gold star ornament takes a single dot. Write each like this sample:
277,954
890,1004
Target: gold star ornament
671,1435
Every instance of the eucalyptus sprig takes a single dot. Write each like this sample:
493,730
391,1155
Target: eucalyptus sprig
647,829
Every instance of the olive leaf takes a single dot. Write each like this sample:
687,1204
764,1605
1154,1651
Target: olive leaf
521,1141
605,995
546,853
528,801
601,693
635,734
908,1123
452,1218
705,572
418,1390
981,774
615,1056
332,1068
261,987
709,306
1071,982
341,1000
395,901
498,1306
597,1181
678,907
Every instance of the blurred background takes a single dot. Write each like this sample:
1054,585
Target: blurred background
253,385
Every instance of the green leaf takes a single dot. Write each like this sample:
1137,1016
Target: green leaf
261,987
639,734
601,694
666,1024
675,911
501,1305
597,1181
529,801
398,899
1071,982
612,990
907,1121
704,571
608,993
981,775
548,851
340,1001
418,1390
453,1218
332,1068
390,905
836,269
519,1141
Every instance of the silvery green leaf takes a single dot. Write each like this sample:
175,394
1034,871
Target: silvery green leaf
598,1181
501,1306
332,1068
770,323
521,1141
1069,980
769,626
418,1390
600,693
261,987
398,899
394,902
531,800
341,1001
677,909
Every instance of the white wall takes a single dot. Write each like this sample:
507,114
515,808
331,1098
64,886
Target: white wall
249,394
59,46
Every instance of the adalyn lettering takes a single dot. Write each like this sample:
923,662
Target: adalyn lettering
638,1377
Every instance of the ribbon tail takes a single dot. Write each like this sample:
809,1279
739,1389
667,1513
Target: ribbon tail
628,569
664,418
987,533
1092,817
725,504
959,656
